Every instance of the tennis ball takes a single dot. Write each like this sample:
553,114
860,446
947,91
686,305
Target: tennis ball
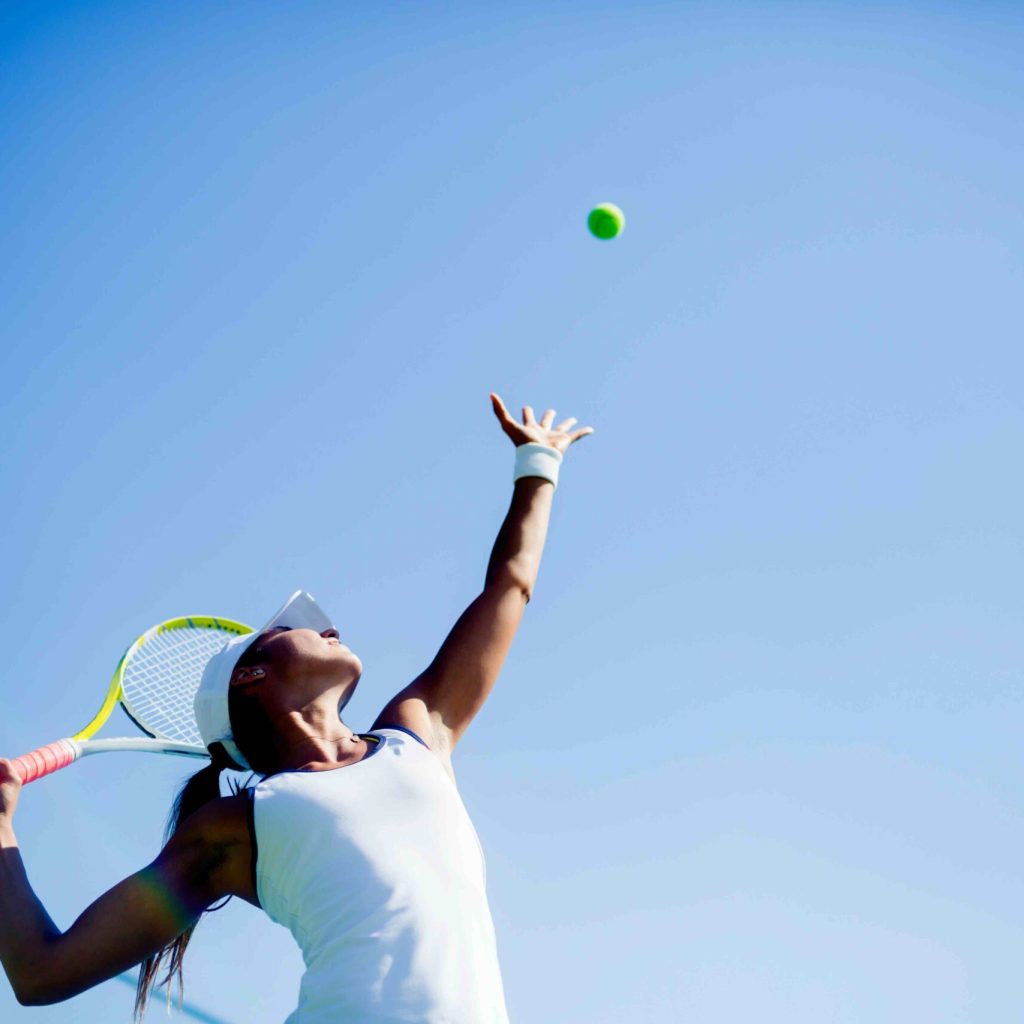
606,221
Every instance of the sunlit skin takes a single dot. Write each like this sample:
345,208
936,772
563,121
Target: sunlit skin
301,679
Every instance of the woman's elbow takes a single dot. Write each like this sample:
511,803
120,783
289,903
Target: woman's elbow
35,992
31,996
34,996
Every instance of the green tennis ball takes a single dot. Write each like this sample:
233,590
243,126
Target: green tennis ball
606,221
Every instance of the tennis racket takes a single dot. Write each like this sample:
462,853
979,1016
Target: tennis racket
155,682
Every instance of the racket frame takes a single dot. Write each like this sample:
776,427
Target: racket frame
57,755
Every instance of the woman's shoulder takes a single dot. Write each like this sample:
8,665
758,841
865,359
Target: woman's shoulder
221,823
223,827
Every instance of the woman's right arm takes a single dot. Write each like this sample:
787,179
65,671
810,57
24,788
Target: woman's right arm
130,922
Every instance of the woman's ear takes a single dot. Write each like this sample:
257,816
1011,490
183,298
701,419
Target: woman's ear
248,674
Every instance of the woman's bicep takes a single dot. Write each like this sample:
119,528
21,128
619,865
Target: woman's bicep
131,921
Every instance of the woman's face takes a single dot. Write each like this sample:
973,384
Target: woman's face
298,663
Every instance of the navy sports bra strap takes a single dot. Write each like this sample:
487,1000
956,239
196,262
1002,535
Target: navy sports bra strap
251,795
403,729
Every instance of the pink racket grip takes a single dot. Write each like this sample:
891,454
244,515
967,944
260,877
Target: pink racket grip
45,760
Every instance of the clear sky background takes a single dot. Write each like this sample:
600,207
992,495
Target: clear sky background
756,752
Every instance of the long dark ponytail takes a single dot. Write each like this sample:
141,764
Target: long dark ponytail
254,735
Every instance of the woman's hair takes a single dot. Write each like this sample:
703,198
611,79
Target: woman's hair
254,735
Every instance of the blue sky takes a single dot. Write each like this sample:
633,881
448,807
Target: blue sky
756,751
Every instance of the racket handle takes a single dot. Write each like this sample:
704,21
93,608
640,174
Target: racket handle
46,760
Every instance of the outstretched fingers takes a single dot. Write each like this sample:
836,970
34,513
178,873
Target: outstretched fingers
544,431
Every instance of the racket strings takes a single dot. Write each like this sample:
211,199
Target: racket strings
161,677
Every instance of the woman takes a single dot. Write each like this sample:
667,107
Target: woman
358,842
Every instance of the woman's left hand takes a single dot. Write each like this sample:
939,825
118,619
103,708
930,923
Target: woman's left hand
10,790
538,433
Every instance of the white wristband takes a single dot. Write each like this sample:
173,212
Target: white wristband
537,460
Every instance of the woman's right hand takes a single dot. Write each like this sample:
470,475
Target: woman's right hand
10,789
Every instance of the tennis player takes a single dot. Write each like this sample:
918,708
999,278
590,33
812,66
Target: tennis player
358,843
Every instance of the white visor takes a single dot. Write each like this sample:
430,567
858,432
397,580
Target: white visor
300,611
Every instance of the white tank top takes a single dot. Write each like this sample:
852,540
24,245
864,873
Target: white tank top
377,870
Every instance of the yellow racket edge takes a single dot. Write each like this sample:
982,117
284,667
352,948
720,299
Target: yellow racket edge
116,692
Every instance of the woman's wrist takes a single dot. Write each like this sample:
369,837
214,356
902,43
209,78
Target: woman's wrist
537,460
